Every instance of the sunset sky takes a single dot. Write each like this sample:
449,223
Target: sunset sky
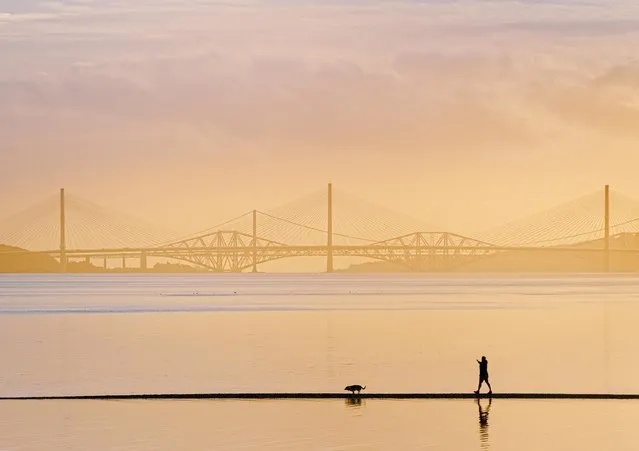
464,114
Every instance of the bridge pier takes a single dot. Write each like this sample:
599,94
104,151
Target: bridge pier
143,262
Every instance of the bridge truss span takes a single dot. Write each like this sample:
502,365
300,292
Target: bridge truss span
220,251
431,250
233,251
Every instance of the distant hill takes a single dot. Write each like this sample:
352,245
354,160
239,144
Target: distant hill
17,260
176,268
10,261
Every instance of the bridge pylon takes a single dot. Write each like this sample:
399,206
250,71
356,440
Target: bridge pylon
607,228
329,229
63,234
254,239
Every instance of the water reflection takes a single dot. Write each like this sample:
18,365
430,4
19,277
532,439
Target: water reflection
483,424
353,401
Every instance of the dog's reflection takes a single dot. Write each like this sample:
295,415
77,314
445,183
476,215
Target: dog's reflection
353,401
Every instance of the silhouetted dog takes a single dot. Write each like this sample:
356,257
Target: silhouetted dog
354,388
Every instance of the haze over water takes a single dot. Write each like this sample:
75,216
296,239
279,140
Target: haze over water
316,333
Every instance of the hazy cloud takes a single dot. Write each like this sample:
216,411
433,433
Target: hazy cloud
451,86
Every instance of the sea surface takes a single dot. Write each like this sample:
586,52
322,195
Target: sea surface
147,334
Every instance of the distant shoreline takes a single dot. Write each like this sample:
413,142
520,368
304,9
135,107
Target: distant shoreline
14,260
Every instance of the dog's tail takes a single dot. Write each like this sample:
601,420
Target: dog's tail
363,387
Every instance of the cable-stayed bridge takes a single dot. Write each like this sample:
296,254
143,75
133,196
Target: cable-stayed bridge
329,224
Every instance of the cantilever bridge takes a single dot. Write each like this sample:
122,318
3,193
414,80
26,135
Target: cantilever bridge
71,229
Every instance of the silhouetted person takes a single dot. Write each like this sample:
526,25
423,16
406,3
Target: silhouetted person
483,375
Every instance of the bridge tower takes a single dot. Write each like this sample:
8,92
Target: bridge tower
329,253
254,256
63,234
607,228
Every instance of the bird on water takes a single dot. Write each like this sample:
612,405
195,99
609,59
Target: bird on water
354,388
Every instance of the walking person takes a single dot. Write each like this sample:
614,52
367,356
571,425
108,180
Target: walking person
483,375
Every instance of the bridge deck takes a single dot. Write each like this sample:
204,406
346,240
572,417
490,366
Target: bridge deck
194,396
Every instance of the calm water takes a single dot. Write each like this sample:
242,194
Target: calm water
316,333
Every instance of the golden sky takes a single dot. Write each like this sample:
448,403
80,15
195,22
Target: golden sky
464,114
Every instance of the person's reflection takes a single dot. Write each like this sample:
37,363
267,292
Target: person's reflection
483,423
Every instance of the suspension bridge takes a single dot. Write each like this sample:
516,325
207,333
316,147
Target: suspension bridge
70,229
